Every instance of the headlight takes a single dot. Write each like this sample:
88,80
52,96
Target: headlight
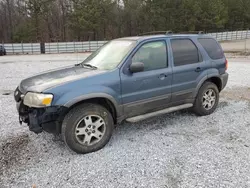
37,100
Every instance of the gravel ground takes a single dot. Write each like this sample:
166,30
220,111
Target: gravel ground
174,150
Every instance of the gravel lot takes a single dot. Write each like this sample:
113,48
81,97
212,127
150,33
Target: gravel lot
174,150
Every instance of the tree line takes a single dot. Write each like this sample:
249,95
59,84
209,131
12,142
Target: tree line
78,20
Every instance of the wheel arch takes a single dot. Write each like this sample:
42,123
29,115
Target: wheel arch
217,81
214,79
104,100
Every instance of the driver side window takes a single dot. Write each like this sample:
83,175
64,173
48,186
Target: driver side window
153,55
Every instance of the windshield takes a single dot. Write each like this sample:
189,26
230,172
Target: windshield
110,55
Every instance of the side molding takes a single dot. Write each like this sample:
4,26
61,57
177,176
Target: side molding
157,113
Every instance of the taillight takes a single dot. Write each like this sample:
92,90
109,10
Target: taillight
226,64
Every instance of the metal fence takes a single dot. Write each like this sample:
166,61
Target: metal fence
22,48
231,35
90,46
53,48
71,47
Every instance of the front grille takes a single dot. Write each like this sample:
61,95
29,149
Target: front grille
17,95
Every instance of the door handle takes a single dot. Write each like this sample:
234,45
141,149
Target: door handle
198,69
162,76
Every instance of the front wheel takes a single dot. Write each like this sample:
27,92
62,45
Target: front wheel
207,99
87,128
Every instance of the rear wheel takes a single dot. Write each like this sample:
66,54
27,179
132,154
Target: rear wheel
87,128
207,99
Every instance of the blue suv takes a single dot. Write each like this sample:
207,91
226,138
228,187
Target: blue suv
131,79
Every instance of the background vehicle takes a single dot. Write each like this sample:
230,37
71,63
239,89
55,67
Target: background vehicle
129,79
2,50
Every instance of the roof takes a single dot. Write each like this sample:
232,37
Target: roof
140,38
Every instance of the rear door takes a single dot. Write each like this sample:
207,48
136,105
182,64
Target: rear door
188,69
149,90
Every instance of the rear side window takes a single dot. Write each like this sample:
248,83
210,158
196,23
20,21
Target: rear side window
184,52
212,48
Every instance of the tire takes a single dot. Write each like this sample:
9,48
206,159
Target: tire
81,138
203,105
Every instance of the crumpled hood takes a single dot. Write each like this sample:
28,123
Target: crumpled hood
46,80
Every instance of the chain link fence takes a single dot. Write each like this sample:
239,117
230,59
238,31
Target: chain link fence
90,46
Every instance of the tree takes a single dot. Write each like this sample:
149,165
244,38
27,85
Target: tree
67,20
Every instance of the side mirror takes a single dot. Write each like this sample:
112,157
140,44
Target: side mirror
136,67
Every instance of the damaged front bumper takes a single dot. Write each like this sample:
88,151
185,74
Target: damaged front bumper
47,119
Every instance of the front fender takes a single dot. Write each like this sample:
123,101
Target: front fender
72,97
91,96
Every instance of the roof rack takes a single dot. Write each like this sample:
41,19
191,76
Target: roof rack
192,32
156,33
171,32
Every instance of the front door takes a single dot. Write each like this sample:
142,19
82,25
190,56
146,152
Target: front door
149,90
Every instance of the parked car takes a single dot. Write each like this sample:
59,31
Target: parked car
2,50
129,79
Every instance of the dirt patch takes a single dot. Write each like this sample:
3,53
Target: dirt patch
223,104
11,153
174,175
245,53
213,131
239,93
7,62
243,56
6,92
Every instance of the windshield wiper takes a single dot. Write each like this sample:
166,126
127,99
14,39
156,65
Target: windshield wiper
89,66
78,64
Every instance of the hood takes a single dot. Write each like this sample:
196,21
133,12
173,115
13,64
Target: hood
46,80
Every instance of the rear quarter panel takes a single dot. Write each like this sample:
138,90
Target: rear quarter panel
215,67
